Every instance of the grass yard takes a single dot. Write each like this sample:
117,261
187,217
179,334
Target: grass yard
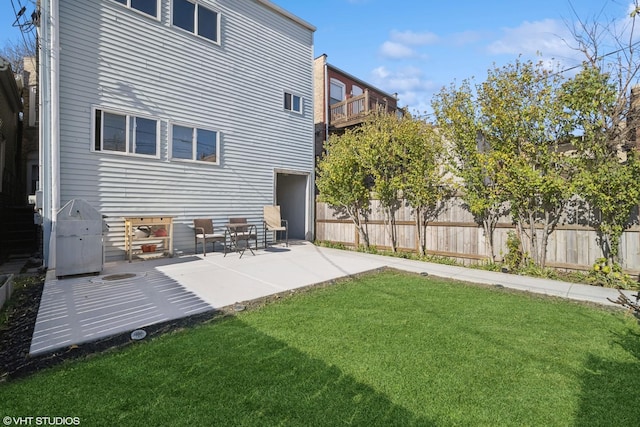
385,349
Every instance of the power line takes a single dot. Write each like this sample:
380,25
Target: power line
598,58
27,26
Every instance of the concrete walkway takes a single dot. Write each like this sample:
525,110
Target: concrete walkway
128,296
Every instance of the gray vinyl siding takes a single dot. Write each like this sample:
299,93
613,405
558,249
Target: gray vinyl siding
115,58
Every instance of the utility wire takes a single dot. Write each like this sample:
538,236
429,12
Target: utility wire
25,27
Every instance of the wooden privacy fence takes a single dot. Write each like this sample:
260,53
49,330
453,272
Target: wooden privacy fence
456,235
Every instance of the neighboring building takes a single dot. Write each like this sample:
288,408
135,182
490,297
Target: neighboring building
342,101
30,147
10,136
183,108
11,189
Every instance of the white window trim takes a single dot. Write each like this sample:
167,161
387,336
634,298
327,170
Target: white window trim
127,114
288,92
196,23
128,6
194,147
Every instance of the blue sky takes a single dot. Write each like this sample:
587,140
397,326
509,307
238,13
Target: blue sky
413,48
416,47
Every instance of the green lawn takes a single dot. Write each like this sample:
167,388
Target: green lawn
386,349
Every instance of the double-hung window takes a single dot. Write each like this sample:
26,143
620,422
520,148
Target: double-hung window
192,143
148,7
292,102
197,19
125,133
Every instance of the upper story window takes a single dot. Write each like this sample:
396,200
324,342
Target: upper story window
124,133
292,102
148,7
191,143
336,91
197,19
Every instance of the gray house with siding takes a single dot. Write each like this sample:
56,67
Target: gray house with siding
182,108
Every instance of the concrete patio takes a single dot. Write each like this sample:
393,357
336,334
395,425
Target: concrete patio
129,296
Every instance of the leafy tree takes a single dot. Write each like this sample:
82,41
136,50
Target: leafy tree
381,154
608,177
523,123
425,185
613,190
459,119
342,180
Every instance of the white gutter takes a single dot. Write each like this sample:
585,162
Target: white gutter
49,127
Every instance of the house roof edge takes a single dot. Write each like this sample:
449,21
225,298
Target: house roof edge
287,14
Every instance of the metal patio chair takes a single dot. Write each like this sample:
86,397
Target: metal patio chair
204,233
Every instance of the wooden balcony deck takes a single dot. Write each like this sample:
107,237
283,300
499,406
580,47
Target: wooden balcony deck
354,110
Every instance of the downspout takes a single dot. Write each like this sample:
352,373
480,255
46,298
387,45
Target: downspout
326,101
49,131
55,121
44,97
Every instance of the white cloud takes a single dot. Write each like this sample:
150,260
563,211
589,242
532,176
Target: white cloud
380,73
410,83
412,38
549,37
396,50
400,44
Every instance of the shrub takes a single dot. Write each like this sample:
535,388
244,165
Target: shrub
514,256
610,275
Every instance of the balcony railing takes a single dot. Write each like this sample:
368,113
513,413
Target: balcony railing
354,110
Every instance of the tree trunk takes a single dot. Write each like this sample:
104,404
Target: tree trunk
489,223
533,239
390,226
420,232
356,218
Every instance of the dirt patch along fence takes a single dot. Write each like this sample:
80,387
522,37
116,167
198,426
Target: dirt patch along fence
455,234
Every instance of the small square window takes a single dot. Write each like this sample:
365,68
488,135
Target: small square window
191,143
195,18
292,102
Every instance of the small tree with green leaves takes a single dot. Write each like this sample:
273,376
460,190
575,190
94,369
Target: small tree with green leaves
342,180
425,185
522,121
382,155
608,178
459,119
